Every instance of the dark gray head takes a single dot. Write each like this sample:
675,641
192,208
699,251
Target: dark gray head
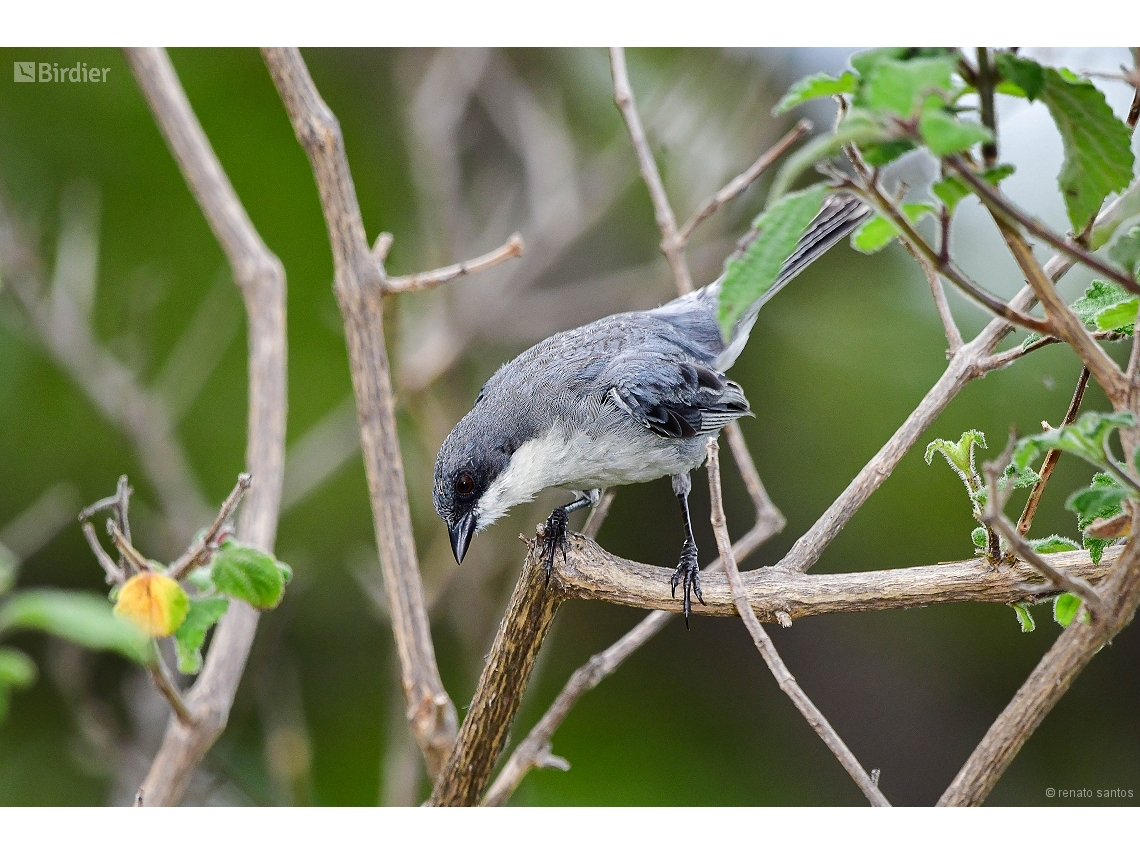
468,490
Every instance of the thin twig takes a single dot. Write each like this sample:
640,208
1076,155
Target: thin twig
261,280
1004,210
1008,357
135,559
513,248
358,285
598,515
530,753
169,691
1025,521
114,573
742,181
202,549
772,659
672,246
953,334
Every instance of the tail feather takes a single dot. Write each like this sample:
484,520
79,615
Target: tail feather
839,216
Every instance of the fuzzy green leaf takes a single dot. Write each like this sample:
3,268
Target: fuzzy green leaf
901,87
1126,250
980,538
996,174
1052,544
882,153
1097,145
1085,438
816,86
1024,618
749,276
1119,316
1025,74
878,231
1065,608
960,454
1098,506
951,191
945,135
864,62
1100,295
77,616
191,635
249,574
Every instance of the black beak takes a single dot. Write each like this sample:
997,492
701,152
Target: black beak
461,534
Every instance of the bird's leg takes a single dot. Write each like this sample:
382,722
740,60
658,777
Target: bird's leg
687,567
554,534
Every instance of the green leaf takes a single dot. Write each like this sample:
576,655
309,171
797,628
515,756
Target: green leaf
1126,250
1123,209
249,574
865,61
1099,501
1119,316
9,564
878,231
1098,296
1065,608
858,127
1052,544
996,174
880,154
1084,439
951,191
78,616
945,135
960,454
749,276
980,537
192,634
1096,547
1024,618
1027,75
1097,144
900,87
17,670
816,86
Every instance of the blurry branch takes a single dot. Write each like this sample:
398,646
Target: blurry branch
743,181
320,452
202,550
1049,681
63,326
261,279
38,523
359,286
672,246
513,248
534,752
767,649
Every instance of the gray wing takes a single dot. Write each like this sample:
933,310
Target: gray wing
675,399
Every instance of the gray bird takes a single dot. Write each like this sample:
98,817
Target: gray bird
628,398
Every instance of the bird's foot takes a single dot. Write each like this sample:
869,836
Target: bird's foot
687,577
554,538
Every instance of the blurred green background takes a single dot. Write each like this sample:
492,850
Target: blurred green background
451,151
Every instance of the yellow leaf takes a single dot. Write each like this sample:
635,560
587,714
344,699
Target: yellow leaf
156,604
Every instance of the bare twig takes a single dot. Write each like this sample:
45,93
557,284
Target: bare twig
513,248
39,522
672,246
742,181
202,550
1006,212
1051,457
1008,357
768,651
993,517
135,559
1048,683
953,334
358,287
530,753
114,573
261,279
169,691
598,515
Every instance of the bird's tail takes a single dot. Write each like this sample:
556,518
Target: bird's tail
839,216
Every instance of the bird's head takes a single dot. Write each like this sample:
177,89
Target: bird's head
468,491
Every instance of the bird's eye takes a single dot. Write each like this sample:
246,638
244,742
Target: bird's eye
464,484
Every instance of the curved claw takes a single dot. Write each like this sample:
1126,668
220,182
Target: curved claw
554,538
687,576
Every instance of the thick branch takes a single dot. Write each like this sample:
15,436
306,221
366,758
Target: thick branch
767,649
1048,683
358,286
261,278
499,693
672,246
